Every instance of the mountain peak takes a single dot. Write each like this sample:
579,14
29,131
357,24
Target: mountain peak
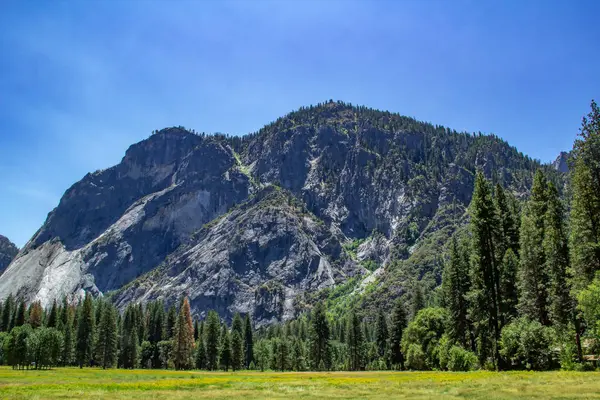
260,223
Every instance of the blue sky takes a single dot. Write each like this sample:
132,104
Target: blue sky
81,81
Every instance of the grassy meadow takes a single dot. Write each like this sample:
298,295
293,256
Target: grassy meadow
73,383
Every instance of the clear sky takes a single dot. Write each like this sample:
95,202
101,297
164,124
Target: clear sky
81,81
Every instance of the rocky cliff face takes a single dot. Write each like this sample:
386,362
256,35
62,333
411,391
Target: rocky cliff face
203,215
8,251
255,259
114,225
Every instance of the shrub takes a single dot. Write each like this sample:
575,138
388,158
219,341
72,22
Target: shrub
526,344
443,351
567,357
415,357
426,330
461,359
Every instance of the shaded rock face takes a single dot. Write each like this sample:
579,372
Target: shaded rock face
115,225
8,251
256,223
256,260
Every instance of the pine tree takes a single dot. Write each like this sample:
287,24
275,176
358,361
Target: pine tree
65,312
382,334
140,322
399,321
484,301
298,355
585,207
212,340
196,329
225,358
98,311
455,286
508,287
106,346
19,317
200,353
356,343
36,315
319,337
281,353
129,348
67,347
156,328
533,277
237,350
508,222
248,342
7,311
237,325
184,337
418,301
556,253
85,333
170,322
52,320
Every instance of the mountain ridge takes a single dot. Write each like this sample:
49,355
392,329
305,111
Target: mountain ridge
391,182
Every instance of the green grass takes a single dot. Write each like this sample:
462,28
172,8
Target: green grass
72,383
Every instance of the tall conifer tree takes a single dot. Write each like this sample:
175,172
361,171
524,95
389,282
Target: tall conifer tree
183,342
7,311
225,356
319,337
556,252
399,322
129,348
356,343
585,207
382,334
248,341
200,353
52,320
533,276
85,332
212,340
106,346
455,286
485,276
237,350
508,287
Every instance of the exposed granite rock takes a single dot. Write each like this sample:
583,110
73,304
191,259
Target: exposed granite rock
115,225
561,164
255,259
8,251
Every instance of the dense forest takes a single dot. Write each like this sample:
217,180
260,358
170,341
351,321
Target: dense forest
519,291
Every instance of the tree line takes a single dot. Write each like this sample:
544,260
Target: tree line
520,290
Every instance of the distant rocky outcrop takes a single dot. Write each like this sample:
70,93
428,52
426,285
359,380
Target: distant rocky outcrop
8,251
267,222
561,164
